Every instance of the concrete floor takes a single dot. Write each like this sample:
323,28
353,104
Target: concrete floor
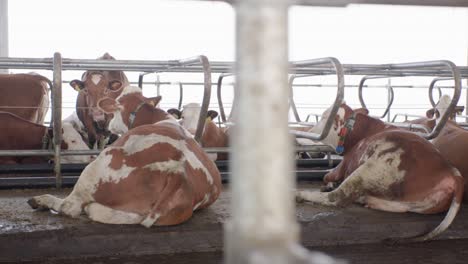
354,233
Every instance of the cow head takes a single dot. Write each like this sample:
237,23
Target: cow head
131,109
95,85
341,120
190,114
72,140
442,106
176,113
189,117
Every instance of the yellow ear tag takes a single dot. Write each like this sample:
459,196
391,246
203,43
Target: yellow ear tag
208,119
152,103
76,87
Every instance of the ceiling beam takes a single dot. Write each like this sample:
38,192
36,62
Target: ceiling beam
452,3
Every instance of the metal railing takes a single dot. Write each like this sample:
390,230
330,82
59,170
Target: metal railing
58,64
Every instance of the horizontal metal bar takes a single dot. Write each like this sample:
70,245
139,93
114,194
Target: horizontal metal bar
69,181
222,67
412,127
22,153
344,3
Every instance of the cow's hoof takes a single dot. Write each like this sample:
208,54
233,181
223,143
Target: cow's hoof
299,198
33,203
331,186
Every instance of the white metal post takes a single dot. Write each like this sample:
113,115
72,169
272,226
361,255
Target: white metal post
3,30
263,227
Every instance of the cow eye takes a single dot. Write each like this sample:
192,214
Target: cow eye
85,91
73,141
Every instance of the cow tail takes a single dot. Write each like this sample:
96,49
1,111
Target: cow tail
451,213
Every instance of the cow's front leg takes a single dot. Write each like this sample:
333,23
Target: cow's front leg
349,191
70,206
103,214
333,178
45,202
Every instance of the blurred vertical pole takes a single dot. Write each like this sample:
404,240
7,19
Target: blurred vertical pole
4,31
263,223
57,117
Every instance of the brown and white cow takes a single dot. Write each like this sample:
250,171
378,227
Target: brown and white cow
25,95
21,134
154,174
212,137
452,141
93,86
388,169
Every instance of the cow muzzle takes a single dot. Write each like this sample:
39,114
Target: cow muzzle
98,116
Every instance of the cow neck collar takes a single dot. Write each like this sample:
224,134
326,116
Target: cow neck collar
344,132
133,114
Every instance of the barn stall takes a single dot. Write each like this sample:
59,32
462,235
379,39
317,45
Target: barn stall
336,231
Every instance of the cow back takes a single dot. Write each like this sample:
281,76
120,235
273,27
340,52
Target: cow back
18,133
25,95
149,158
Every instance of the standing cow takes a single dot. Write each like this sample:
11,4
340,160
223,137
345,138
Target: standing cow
25,95
95,85
154,174
388,169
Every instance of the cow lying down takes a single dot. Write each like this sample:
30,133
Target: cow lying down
212,137
452,140
21,134
388,169
154,174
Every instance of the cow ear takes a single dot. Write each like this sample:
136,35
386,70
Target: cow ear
212,114
176,113
430,113
153,101
363,111
115,85
108,105
77,85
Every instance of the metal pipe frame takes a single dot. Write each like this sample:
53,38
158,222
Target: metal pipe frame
292,104
338,100
361,97
316,117
206,69
203,60
220,98
303,85
158,83
57,64
413,127
429,64
456,94
432,85
406,116
344,3
219,67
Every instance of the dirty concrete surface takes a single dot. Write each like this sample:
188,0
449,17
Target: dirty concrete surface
354,233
